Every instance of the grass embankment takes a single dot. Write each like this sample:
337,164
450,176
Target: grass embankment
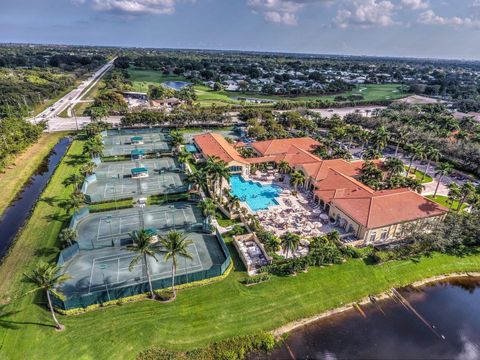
198,316
142,79
443,200
17,174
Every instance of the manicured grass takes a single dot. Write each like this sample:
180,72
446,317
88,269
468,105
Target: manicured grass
24,166
198,316
111,206
224,221
142,79
419,175
443,200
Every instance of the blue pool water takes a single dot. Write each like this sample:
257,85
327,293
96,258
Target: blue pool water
191,148
176,85
257,196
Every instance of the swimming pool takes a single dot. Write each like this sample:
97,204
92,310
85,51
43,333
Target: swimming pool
257,196
191,148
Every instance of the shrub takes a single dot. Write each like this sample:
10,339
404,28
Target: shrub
256,279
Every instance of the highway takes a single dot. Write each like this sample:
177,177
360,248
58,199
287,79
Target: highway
51,114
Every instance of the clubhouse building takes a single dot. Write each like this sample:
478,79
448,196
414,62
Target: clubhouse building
373,217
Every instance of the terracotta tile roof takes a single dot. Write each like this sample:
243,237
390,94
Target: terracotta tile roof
389,207
337,185
212,144
278,146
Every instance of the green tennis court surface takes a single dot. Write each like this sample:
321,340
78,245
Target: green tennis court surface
112,228
108,268
124,141
103,261
113,180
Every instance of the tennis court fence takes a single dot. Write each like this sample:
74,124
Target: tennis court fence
109,294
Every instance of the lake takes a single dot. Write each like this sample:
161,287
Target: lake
392,331
176,85
19,210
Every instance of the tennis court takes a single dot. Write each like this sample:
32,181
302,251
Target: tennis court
124,141
114,180
108,269
113,228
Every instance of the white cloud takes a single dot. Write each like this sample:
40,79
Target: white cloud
365,14
415,4
429,17
133,7
281,11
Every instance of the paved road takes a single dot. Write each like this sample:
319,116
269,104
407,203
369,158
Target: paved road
51,114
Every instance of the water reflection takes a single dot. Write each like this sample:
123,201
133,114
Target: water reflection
17,213
451,307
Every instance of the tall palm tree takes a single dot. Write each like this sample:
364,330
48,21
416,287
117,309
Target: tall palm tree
467,190
211,172
88,168
394,166
297,178
443,169
184,157
75,201
197,179
381,137
47,277
401,137
454,193
67,236
75,179
208,208
234,203
220,172
290,243
175,244
284,167
144,248
432,154
416,151
176,138
94,146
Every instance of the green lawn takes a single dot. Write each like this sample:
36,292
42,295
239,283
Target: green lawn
443,200
142,79
419,175
198,316
23,167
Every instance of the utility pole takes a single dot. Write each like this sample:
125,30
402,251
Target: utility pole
75,117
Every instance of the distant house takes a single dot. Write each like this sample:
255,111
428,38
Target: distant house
135,95
170,102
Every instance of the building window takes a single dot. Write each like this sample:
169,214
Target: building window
235,168
383,237
373,236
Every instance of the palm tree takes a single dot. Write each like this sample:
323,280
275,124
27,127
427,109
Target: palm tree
143,247
76,200
208,208
454,193
175,244
234,203
416,152
47,277
68,236
290,243
467,190
297,178
432,154
184,157
88,168
381,137
401,137
176,138
394,166
94,146
443,169
218,171
197,179
75,180
284,167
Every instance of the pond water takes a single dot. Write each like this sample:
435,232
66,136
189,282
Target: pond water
392,331
176,85
18,212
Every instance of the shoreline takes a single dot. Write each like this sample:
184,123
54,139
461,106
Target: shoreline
294,325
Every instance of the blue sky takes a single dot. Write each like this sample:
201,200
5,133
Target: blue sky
423,28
